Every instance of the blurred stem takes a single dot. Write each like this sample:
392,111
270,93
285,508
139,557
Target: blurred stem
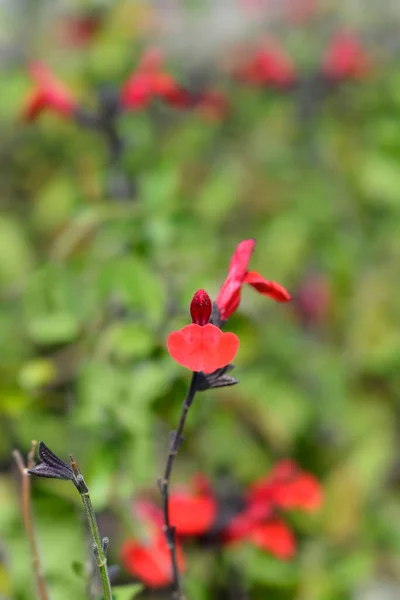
99,545
164,482
27,516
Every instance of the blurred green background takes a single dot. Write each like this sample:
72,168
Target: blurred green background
91,285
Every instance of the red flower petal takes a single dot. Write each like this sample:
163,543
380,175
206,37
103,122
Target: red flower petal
243,523
229,295
150,563
267,288
240,259
304,493
287,487
191,514
137,92
275,537
202,348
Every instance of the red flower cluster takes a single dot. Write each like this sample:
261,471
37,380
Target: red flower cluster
269,66
202,346
48,94
196,512
151,81
345,59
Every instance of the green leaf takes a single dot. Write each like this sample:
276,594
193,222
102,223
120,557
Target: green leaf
78,568
57,328
127,592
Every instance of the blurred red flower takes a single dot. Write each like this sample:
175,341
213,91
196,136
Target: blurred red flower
312,301
202,347
346,58
48,94
192,512
229,296
269,66
149,560
287,487
149,81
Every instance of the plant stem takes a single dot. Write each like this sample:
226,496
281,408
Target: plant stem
27,517
164,482
99,545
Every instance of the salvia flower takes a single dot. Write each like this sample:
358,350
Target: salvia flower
48,94
345,59
218,516
202,346
287,487
149,559
229,296
149,81
269,66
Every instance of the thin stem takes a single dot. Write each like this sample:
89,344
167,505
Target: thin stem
164,482
27,517
99,545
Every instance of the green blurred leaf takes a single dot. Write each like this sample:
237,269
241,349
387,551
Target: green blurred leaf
127,592
57,328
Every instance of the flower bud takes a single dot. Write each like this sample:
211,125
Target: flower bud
200,308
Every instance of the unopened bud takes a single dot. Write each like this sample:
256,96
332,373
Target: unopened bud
200,308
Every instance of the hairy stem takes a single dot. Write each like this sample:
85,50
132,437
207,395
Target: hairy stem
99,545
27,517
164,483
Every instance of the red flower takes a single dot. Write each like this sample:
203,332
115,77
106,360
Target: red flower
268,66
150,562
287,487
49,93
229,296
257,524
345,58
202,347
150,81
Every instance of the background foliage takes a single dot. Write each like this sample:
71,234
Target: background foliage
91,285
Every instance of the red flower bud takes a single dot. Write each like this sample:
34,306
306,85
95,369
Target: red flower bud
200,308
